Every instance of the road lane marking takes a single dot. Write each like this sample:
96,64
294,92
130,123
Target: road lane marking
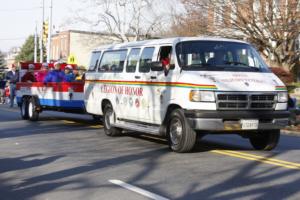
69,122
137,190
270,159
276,162
81,123
96,126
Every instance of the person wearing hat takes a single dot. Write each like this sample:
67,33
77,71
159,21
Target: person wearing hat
29,75
70,77
56,75
12,78
40,75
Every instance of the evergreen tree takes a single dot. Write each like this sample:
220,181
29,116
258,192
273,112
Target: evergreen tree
27,51
2,65
2,60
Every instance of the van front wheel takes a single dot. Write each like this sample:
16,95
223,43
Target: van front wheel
181,137
265,140
108,118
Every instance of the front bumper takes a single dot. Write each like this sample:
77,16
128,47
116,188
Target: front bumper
231,120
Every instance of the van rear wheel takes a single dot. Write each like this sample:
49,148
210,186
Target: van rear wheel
181,137
108,118
265,140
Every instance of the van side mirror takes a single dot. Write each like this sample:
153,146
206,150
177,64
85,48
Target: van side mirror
156,66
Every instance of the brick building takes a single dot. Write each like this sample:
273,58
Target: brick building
79,44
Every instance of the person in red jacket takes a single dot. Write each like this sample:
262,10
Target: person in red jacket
29,75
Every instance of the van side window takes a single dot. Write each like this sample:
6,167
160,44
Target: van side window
146,59
132,60
94,60
113,61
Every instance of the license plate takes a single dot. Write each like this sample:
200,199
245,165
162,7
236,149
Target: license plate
248,124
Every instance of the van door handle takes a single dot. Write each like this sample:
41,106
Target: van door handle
152,77
137,77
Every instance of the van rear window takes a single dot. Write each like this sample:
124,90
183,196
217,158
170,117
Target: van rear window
94,60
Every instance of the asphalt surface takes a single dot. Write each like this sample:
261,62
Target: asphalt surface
67,156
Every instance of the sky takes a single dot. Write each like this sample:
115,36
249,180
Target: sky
18,19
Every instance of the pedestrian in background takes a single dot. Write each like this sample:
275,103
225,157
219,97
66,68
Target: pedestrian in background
12,78
56,75
2,91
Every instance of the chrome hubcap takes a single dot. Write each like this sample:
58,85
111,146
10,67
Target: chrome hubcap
176,131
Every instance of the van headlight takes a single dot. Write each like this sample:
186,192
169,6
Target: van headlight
202,96
282,97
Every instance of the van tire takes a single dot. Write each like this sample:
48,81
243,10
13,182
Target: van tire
108,129
32,112
180,135
24,109
265,140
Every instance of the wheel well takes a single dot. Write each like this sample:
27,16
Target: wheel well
104,103
163,127
171,107
28,97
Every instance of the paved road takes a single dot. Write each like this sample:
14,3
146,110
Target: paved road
66,156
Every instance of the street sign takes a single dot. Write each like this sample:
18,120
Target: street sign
72,59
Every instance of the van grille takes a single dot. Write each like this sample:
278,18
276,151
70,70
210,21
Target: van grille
232,101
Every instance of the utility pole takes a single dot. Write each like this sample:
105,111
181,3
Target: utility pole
35,43
49,34
41,36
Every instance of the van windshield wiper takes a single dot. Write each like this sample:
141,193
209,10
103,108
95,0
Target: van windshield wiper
236,63
244,65
194,66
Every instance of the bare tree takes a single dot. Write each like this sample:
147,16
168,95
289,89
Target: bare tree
124,19
273,26
192,21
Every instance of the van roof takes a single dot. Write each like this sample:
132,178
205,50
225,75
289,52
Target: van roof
164,41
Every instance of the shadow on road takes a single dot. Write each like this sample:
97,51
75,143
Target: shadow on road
24,162
39,127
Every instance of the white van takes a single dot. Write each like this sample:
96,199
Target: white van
207,85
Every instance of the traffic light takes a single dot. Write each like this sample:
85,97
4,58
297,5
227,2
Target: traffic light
45,32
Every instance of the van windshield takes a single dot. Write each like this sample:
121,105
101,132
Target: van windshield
219,56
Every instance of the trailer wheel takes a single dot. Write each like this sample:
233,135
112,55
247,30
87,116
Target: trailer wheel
181,137
32,112
265,140
24,109
108,117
